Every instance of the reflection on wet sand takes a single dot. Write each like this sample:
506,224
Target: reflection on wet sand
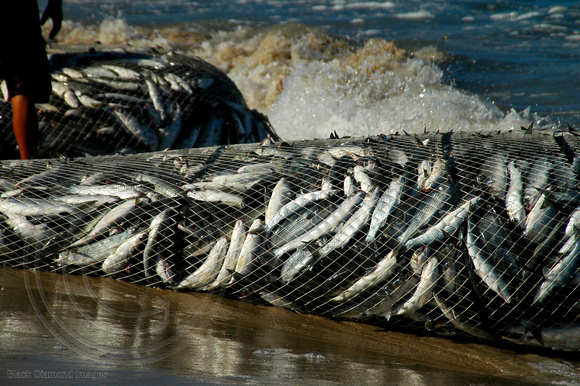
63,322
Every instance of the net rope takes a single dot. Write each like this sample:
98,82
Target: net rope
458,234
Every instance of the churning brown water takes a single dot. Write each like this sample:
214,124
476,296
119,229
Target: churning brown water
76,329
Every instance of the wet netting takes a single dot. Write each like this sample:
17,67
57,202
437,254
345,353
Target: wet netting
458,234
122,101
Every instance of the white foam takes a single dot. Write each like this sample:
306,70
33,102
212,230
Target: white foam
320,98
418,15
370,5
557,9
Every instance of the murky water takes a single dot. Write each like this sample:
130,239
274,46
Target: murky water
81,329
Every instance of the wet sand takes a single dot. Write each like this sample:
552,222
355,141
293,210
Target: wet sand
78,329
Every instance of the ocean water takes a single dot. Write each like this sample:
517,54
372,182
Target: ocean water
357,68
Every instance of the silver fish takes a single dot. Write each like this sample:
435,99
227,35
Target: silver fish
423,291
388,201
160,185
217,197
119,259
164,271
360,176
352,226
208,271
35,207
514,200
232,255
169,134
482,266
142,132
384,269
298,261
494,174
156,96
250,248
458,321
121,191
158,225
340,214
93,253
349,186
448,225
436,176
423,173
295,205
560,273
281,195
104,222
123,73
537,179
435,202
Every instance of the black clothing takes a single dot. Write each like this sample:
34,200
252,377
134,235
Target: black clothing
23,60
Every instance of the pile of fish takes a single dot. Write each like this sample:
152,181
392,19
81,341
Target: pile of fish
123,101
460,234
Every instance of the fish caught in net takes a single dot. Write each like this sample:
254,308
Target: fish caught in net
123,101
462,234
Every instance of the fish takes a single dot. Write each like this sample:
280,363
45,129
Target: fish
424,290
447,226
423,172
208,271
514,200
93,253
388,201
483,267
296,204
156,233
122,191
250,249
155,93
342,213
537,179
119,259
432,204
360,176
24,206
436,175
123,73
106,221
161,186
164,270
298,261
168,135
216,196
232,256
459,321
281,195
352,226
560,274
494,174
141,131
383,270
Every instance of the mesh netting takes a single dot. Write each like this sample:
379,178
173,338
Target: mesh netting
120,101
459,234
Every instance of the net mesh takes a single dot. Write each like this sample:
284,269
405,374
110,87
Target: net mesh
122,101
459,234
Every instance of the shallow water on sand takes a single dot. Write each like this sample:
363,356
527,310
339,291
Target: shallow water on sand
77,328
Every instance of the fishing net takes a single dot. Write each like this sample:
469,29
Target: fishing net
123,101
458,234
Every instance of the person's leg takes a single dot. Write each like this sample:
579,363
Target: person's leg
25,123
